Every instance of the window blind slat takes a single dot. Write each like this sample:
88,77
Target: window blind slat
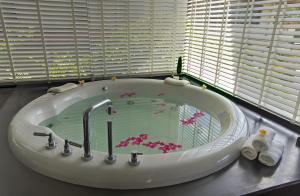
89,38
6,68
24,37
254,53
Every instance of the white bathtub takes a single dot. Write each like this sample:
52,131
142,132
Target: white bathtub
155,170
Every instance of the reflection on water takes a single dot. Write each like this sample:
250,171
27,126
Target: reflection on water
147,125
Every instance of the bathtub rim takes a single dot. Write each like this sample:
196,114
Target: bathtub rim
38,152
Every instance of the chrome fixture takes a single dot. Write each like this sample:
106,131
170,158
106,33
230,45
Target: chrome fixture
51,143
67,150
134,161
104,88
110,158
86,132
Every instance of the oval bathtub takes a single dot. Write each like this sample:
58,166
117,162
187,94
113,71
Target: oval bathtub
154,170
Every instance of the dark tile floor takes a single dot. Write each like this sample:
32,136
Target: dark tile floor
241,177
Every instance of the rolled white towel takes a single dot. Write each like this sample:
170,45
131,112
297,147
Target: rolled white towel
271,156
248,151
60,89
263,139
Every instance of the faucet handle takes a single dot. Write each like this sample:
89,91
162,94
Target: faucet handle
40,134
134,161
51,143
74,144
67,150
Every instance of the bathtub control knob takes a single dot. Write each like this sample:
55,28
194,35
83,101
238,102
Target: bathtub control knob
104,88
134,161
51,143
67,150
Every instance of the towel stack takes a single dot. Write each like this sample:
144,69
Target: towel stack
270,150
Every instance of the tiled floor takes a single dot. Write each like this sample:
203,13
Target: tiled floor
241,177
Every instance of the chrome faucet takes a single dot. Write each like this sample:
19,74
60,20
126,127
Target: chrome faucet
110,158
134,161
67,150
51,143
86,132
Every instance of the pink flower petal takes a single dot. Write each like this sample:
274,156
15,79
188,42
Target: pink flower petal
198,114
136,143
143,136
130,94
124,142
138,139
130,138
173,147
167,148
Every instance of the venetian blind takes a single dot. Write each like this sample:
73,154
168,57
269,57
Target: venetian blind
63,39
249,48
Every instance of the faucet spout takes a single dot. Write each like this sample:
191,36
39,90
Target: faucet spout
86,128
